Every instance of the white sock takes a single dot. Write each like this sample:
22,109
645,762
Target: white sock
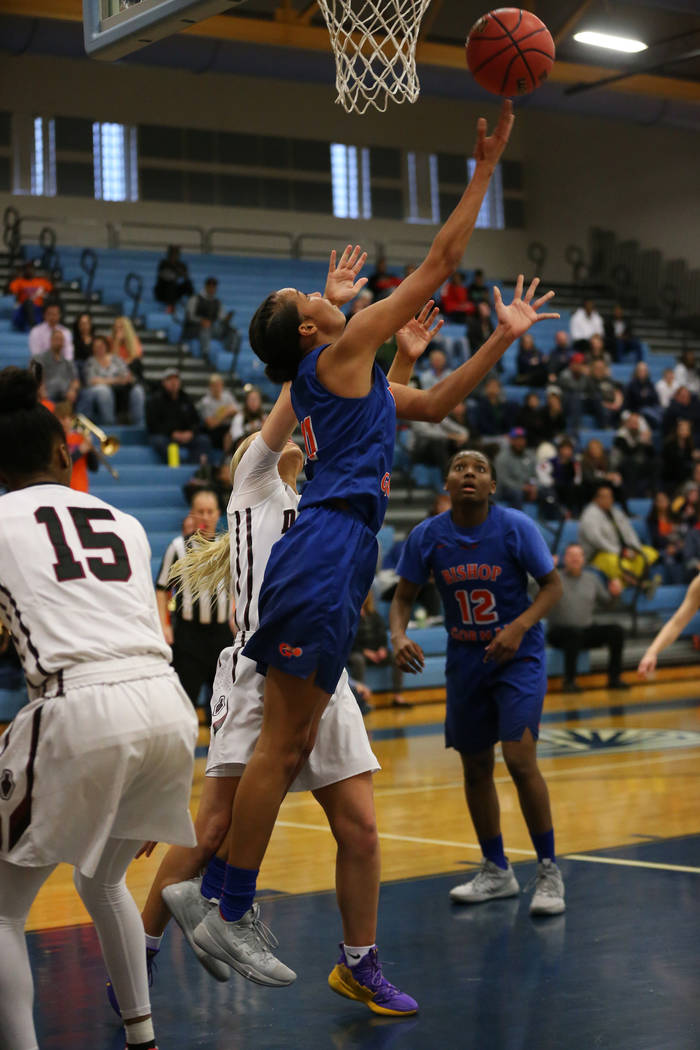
354,955
154,943
141,1032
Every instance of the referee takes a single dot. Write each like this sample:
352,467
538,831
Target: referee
200,628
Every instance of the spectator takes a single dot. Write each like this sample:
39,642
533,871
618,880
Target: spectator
665,388
172,280
691,549
437,369
127,345
83,334
250,419
110,387
596,470
516,471
434,444
199,629
684,405
678,456
480,327
81,448
59,374
207,320
686,372
40,335
575,387
634,457
30,290
610,542
171,418
381,283
559,356
216,409
619,337
553,417
371,646
665,537
604,397
531,367
571,622
493,415
529,417
455,303
566,477
596,351
362,300
479,291
585,322
641,395
684,506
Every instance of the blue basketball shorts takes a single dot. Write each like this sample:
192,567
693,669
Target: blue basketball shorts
491,702
317,577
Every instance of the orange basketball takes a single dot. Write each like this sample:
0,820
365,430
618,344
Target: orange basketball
510,51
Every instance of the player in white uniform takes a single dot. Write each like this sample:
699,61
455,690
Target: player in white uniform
101,758
338,769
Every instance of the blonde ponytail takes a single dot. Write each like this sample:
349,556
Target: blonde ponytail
205,566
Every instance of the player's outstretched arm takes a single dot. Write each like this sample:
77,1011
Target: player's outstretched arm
670,631
412,340
513,321
408,655
370,328
279,425
342,280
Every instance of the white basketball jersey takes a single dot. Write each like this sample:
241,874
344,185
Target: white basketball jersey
75,581
261,509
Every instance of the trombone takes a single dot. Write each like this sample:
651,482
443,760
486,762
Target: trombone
109,444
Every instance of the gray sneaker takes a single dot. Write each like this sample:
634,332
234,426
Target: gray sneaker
490,883
548,898
188,907
244,945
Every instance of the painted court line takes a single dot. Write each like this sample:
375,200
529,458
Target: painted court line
629,863
403,838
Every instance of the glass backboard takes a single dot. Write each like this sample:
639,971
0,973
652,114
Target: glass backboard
114,28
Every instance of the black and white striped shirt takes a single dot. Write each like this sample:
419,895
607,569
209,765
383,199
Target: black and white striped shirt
208,609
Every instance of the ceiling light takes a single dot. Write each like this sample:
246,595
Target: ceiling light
613,43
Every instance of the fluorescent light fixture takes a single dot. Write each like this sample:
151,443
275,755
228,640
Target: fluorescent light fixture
613,43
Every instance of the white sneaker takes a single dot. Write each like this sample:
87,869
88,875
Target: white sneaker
244,945
188,907
548,898
490,883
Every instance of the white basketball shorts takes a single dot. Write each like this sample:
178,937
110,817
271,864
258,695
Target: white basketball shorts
107,752
342,747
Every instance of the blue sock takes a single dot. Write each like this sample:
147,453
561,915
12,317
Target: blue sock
213,878
493,851
237,893
544,845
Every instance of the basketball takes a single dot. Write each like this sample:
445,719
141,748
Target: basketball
510,51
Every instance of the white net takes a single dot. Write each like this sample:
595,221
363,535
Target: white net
374,42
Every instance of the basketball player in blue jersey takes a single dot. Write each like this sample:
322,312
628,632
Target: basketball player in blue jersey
320,571
480,556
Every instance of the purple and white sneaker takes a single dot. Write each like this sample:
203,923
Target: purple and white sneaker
366,983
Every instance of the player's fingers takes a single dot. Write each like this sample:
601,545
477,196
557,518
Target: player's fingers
518,293
331,262
506,118
497,297
531,290
360,262
345,256
423,315
352,258
542,300
438,325
360,283
547,317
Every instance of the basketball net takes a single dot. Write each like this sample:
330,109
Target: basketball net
374,42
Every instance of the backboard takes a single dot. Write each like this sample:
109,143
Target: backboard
114,28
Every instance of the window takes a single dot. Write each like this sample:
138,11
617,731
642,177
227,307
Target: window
115,162
43,162
491,216
423,188
350,182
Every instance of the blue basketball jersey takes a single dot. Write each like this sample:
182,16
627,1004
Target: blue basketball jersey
481,573
349,442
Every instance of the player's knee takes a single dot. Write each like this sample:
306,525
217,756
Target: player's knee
477,770
359,834
211,834
520,765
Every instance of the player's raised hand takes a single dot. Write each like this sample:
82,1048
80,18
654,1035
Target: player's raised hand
408,655
146,849
414,337
342,282
523,311
647,664
489,148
